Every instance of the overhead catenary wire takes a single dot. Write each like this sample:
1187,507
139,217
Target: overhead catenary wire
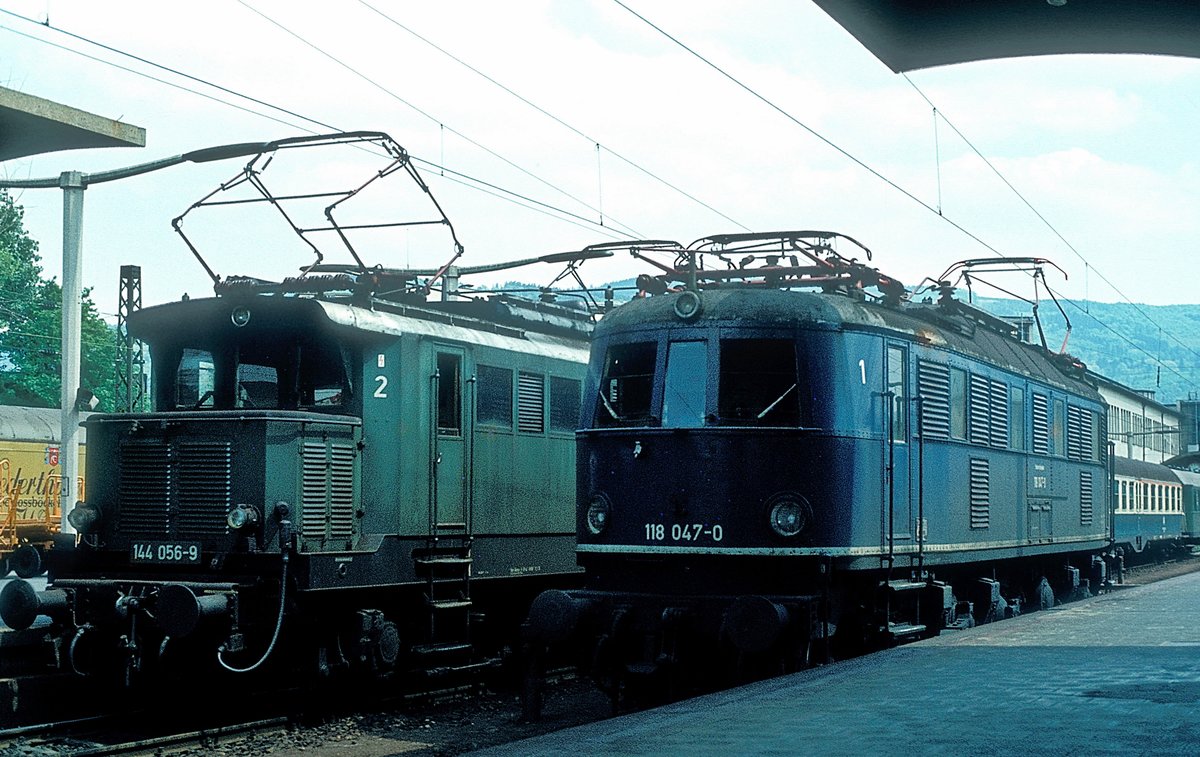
1088,266
865,166
390,93
145,75
819,136
551,116
515,198
499,192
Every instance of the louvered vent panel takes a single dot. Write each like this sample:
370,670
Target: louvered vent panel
933,384
145,489
979,410
341,491
531,402
204,488
999,425
1086,496
1079,432
1041,424
981,515
314,491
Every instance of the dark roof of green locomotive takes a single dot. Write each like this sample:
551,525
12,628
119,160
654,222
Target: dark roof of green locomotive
497,314
939,326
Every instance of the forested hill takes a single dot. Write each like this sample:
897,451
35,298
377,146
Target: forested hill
1119,341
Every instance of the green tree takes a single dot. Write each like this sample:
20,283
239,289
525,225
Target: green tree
31,325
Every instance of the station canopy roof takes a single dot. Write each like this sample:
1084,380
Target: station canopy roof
912,34
31,125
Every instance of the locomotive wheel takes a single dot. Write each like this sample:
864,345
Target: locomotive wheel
1045,595
26,562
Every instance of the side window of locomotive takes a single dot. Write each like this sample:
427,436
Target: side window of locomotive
495,396
1016,418
257,386
194,380
759,383
327,395
564,405
685,388
322,380
449,394
958,403
626,385
896,391
1059,429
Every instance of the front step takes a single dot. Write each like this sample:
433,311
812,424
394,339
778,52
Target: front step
470,668
905,631
449,649
443,561
914,608
449,604
906,585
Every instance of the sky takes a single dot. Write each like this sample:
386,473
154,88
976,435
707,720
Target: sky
1102,147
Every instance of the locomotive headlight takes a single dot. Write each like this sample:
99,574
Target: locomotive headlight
789,515
83,517
240,316
242,516
598,514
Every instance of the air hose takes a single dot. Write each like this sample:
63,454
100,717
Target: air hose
285,537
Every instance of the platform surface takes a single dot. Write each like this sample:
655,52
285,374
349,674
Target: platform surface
1117,674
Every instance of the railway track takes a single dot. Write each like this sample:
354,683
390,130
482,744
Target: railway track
104,736
436,721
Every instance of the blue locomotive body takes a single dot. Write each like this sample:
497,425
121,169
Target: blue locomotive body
894,437
774,474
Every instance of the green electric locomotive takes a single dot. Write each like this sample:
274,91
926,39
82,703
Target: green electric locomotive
376,481
341,471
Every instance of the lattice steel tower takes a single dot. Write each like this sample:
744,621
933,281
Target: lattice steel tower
131,361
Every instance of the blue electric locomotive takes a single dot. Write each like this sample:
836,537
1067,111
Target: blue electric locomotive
774,473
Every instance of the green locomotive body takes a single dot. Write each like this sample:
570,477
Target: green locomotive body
381,484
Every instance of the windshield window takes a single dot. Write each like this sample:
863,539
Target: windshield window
759,383
262,372
684,393
194,380
625,388
257,386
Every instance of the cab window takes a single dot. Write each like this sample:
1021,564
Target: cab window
759,383
194,380
626,385
685,389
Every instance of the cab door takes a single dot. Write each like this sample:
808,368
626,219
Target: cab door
450,435
898,452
